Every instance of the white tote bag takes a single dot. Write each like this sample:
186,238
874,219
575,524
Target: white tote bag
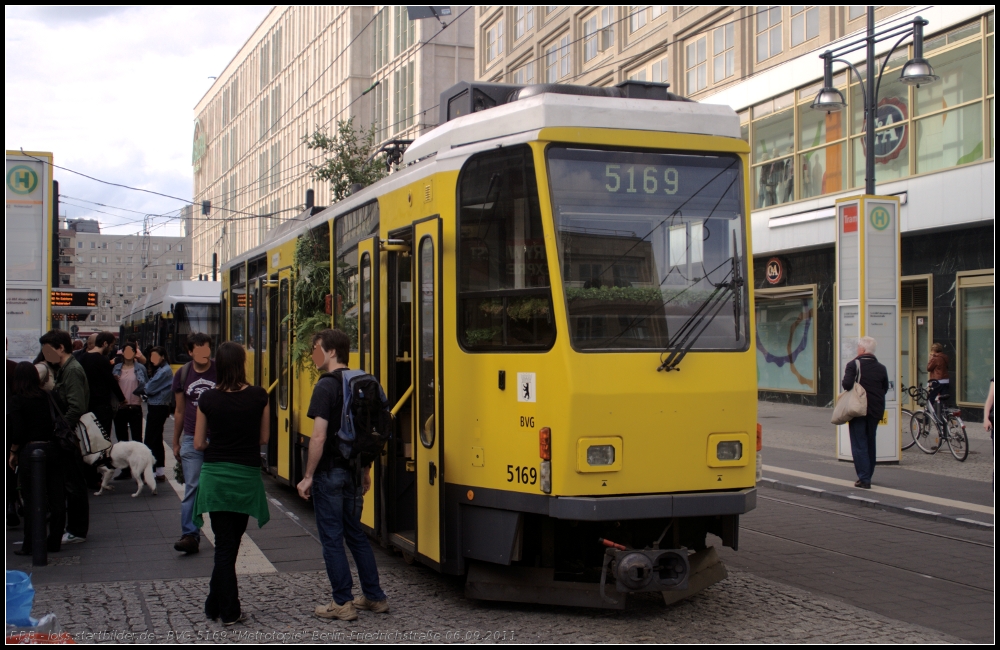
852,403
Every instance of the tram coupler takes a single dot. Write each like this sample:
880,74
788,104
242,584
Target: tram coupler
645,570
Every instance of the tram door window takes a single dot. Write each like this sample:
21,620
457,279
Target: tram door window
401,509
427,391
238,306
272,292
282,441
257,320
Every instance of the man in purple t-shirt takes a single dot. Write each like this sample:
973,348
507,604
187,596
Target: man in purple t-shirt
193,379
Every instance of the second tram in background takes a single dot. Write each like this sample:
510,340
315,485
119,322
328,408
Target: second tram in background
553,291
167,315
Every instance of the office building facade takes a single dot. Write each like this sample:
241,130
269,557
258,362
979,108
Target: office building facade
303,69
120,268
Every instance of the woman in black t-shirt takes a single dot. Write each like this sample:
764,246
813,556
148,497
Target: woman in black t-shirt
233,422
30,427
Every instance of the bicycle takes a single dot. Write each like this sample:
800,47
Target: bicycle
948,425
904,425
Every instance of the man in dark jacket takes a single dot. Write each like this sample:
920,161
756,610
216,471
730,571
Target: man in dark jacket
875,380
103,384
72,393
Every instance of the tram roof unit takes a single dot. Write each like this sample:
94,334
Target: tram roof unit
517,115
189,291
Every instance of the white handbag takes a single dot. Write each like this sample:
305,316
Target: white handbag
851,403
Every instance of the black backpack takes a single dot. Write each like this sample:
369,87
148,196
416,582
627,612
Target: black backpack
365,420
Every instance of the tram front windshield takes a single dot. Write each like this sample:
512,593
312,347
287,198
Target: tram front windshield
644,240
192,318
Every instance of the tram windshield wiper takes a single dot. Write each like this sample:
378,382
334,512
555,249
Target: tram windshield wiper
692,329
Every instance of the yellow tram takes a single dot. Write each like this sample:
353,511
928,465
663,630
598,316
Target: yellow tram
554,291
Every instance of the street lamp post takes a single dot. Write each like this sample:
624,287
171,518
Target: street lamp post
916,72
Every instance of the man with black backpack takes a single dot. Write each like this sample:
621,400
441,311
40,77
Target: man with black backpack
345,442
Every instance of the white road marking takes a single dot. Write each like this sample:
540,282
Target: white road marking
923,512
973,521
926,498
811,489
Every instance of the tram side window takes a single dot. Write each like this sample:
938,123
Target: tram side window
237,314
349,229
505,301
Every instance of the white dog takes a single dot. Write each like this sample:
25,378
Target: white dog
134,455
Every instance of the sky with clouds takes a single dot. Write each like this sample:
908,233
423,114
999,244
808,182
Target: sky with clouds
110,91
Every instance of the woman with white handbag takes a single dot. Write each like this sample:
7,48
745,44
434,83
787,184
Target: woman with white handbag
866,382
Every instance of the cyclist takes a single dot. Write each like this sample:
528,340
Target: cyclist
938,382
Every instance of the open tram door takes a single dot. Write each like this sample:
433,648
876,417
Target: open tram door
280,444
427,396
368,330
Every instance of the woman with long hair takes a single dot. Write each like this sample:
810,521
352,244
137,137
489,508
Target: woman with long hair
30,427
131,377
158,397
233,422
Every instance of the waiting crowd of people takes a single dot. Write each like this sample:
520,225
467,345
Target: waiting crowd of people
220,424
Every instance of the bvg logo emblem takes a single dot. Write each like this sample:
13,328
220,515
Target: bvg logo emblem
880,218
22,179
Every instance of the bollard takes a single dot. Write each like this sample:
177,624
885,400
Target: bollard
39,538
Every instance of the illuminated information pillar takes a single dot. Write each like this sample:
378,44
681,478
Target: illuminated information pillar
868,305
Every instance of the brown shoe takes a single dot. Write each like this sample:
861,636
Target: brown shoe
345,612
377,606
161,478
187,544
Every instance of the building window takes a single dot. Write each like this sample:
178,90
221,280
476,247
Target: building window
405,30
155,276
772,146
156,247
131,246
180,247
494,41
79,259
768,32
975,336
79,244
104,318
598,33
525,75
104,245
143,275
93,275
142,289
104,259
104,275
697,65
145,246
169,261
118,318
93,259
855,12
524,19
170,276
637,18
724,52
93,317
557,60
805,24
64,242
79,274
93,245
168,247
128,288
656,11
381,39
118,246
130,275
786,339
403,97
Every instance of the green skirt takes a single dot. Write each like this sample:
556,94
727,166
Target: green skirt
230,487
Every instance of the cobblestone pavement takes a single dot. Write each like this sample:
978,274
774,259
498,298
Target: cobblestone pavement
808,429
429,607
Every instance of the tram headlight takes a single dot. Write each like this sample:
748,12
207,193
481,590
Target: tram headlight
729,450
599,455
545,469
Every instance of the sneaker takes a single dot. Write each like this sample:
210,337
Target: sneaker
345,612
187,544
70,538
377,606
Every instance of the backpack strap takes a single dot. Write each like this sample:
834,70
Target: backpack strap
184,373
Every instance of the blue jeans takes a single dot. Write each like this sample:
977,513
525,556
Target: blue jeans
863,446
338,517
191,460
